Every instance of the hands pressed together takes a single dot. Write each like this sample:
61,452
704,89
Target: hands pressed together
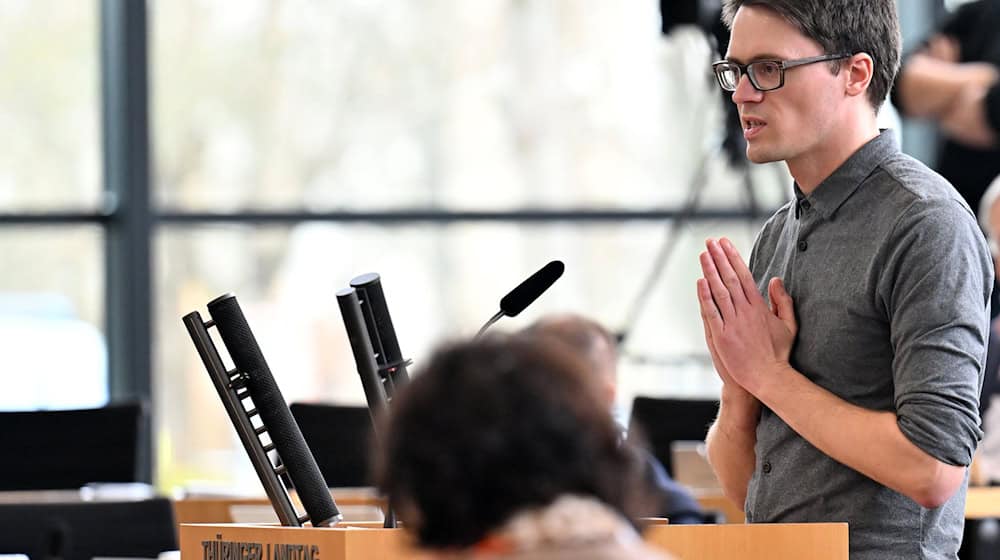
745,336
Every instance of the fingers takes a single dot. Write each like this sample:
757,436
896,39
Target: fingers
715,289
710,316
735,277
742,271
780,300
727,273
714,354
781,303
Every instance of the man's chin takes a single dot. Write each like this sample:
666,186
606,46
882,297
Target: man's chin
758,155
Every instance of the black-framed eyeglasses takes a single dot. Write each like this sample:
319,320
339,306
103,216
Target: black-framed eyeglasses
765,75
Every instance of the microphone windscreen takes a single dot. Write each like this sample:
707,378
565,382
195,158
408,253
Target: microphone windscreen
529,290
364,355
274,412
381,331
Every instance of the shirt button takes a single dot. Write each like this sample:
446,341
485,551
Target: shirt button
766,467
803,245
806,204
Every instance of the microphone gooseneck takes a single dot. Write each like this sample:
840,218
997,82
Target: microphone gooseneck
489,323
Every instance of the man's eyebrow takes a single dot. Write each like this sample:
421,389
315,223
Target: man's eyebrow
763,56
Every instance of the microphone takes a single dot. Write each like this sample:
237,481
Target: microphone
526,292
364,354
380,331
281,426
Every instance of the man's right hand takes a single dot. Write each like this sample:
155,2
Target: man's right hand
720,368
740,406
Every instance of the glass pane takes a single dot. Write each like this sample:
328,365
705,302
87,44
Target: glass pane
460,105
49,106
52,318
439,281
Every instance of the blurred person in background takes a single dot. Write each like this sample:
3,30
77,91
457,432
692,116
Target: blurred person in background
592,342
987,464
953,80
503,447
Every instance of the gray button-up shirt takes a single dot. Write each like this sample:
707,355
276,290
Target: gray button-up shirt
891,279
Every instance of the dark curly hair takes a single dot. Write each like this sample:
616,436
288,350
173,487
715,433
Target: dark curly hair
494,426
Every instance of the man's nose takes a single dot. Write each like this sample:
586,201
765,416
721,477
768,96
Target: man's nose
745,92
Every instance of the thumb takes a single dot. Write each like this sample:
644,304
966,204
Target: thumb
781,302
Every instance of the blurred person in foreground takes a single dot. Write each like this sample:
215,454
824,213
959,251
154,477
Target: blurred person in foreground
503,448
592,342
851,348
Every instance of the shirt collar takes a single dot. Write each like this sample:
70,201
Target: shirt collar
833,191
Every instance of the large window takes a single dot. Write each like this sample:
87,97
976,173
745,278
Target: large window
453,149
377,105
49,106
52,318
52,287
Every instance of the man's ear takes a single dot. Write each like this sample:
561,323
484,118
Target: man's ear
860,69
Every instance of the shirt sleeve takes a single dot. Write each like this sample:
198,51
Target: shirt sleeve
936,286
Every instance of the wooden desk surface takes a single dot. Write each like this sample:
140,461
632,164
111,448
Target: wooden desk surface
982,502
765,541
715,501
218,509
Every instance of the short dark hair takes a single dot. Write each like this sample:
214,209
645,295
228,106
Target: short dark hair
842,26
492,427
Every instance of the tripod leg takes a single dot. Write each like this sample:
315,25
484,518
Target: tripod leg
695,189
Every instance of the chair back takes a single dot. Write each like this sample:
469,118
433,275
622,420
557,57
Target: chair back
66,449
663,421
340,437
83,530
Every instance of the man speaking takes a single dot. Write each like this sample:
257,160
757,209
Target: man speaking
851,349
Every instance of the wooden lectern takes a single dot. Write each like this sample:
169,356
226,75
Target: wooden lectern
817,541
273,542
982,502
762,541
